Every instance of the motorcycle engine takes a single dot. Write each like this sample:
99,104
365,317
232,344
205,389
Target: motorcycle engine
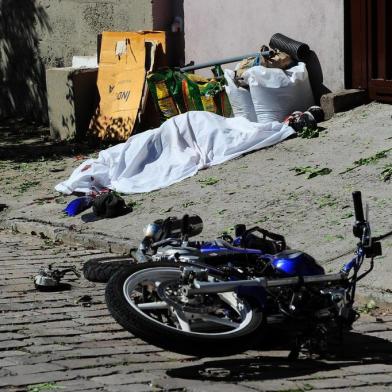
340,302
183,254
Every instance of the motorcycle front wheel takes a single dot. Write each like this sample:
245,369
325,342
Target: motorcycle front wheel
200,325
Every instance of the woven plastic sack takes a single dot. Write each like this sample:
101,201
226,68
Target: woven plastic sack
203,94
166,89
276,93
240,98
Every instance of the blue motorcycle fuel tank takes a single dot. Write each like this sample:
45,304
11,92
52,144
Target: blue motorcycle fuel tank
296,263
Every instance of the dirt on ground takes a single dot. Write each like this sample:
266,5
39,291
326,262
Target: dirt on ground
300,188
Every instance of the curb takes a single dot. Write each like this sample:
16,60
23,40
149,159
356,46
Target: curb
69,236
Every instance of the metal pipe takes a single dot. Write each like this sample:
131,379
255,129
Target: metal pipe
225,61
224,287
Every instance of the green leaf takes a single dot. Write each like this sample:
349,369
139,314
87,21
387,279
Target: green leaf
311,171
209,181
386,174
309,133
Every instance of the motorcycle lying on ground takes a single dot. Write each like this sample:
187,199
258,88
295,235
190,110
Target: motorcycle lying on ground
225,297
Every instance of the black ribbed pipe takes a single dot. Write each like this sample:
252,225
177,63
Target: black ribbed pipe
297,50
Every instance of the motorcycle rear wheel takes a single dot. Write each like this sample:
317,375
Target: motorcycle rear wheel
133,301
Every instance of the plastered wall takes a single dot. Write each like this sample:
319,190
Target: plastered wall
36,34
222,28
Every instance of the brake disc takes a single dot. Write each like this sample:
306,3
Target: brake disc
177,303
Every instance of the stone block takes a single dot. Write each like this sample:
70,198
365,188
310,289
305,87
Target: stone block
72,100
341,101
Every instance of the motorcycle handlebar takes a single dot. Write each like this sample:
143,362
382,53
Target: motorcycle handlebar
357,198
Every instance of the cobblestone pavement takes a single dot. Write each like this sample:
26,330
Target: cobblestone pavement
63,342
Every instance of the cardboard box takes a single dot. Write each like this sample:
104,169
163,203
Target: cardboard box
124,59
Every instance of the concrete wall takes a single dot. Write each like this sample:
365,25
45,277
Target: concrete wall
216,29
35,34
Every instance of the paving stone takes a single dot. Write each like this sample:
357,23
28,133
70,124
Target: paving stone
49,338
7,362
103,343
11,336
335,383
379,378
132,388
74,385
125,379
167,384
12,353
369,368
40,349
141,360
78,353
53,332
387,335
33,369
28,379
278,385
12,344
373,388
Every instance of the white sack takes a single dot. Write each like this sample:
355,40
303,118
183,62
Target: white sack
277,93
240,98
179,148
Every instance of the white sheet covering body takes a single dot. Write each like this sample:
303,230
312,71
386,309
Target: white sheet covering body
176,150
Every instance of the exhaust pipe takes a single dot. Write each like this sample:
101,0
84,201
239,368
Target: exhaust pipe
224,287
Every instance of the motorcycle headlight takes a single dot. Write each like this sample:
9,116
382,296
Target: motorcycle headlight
152,231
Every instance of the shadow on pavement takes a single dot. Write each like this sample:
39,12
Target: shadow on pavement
357,349
22,141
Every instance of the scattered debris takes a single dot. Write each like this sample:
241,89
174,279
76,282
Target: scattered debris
187,204
208,181
80,158
386,174
134,204
326,201
311,171
110,205
309,133
47,386
48,279
368,161
84,300
56,169
305,123
27,185
371,305
78,205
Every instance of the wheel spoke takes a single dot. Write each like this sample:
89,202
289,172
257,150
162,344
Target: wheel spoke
153,305
220,321
184,325
231,300
147,290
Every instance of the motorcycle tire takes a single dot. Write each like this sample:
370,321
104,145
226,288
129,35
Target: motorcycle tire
101,271
154,331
